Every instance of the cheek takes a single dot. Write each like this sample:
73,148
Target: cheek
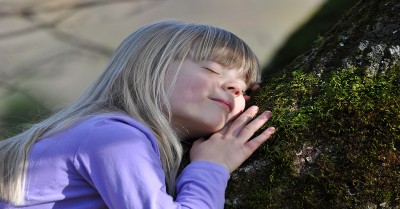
240,104
186,95
195,87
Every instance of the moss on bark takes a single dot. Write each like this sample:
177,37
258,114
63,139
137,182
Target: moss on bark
337,114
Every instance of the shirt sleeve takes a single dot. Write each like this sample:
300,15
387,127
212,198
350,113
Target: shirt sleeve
202,184
123,163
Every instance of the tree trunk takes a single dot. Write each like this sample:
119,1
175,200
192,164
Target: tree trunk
336,110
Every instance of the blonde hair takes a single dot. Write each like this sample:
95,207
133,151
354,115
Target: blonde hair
133,83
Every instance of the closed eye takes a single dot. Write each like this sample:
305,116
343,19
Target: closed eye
212,71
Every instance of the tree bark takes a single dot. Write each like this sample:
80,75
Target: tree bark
368,36
336,110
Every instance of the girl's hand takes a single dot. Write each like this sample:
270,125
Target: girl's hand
231,146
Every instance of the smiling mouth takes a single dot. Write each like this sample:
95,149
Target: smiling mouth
224,103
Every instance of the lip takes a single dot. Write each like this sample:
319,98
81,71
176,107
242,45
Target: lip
226,103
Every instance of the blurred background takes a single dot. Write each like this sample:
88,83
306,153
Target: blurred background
51,50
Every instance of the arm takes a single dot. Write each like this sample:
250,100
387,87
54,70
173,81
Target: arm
202,184
122,162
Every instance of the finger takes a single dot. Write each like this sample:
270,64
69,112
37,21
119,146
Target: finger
246,98
248,131
223,130
238,124
255,143
255,87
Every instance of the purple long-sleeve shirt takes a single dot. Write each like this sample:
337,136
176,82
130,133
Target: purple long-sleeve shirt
113,161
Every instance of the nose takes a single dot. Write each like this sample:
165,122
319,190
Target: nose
233,87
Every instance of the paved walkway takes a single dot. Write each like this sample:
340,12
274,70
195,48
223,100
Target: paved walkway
50,50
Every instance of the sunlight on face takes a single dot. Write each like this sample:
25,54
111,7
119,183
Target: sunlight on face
205,98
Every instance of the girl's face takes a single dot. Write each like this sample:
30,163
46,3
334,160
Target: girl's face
205,98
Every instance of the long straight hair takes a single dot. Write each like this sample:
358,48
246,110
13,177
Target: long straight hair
133,83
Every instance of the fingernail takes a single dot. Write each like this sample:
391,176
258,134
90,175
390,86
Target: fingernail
272,130
266,114
255,108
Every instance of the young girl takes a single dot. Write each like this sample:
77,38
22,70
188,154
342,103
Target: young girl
119,145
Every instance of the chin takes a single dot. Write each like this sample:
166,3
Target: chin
205,128
214,128
206,131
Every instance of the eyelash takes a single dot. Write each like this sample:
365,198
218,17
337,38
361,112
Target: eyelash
212,71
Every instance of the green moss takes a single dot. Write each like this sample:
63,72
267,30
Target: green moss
337,142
